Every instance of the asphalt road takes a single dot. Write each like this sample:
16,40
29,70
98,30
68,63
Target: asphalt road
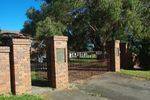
109,86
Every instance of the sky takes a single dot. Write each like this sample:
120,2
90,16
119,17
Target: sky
12,13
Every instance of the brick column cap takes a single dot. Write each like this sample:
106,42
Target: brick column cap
117,41
60,38
4,49
21,41
113,42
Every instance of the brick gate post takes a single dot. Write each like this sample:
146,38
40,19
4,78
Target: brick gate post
114,50
5,86
20,66
57,61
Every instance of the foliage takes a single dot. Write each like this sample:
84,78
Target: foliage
134,44
49,28
97,24
133,16
91,21
22,97
104,18
110,20
146,19
51,9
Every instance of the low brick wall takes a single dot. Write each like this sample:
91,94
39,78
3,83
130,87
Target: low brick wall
5,87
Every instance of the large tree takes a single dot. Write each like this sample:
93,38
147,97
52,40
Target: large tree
55,10
112,19
90,21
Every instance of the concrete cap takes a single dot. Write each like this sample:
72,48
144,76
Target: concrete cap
4,49
60,38
21,41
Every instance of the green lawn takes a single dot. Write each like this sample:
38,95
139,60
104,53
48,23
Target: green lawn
137,73
88,62
36,76
82,60
23,97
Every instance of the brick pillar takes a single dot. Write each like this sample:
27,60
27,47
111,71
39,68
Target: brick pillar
20,66
57,61
5,86
114,51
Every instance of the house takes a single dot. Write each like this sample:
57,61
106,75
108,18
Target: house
11,34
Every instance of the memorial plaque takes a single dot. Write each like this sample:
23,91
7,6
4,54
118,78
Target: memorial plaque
117,51
60,55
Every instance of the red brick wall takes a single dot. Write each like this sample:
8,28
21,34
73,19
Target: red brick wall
20,66
4,70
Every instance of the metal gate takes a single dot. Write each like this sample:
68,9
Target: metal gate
83,65
39,65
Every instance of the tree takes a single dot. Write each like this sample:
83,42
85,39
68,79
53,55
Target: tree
49,28
92,21
146,19
51,9
100,24
105,19
112,19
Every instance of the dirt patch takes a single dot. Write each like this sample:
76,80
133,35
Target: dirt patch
76,76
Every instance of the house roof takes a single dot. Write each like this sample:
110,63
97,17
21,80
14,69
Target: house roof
13,34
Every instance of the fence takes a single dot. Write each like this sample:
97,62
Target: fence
89,60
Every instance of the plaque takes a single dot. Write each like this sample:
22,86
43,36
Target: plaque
117,51
60,55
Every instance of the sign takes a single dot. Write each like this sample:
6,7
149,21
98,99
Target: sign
60,55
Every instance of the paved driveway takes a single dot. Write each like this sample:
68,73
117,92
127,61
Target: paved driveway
110,86
119,87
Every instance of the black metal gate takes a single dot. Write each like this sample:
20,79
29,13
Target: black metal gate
83,65
39,65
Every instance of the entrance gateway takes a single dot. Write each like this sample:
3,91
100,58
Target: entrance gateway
56,63
61,66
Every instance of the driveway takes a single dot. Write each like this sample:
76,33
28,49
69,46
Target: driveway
109,86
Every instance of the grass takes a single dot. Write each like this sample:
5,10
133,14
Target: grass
36,76
137,73
81,60
40,79
22,97
88,62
